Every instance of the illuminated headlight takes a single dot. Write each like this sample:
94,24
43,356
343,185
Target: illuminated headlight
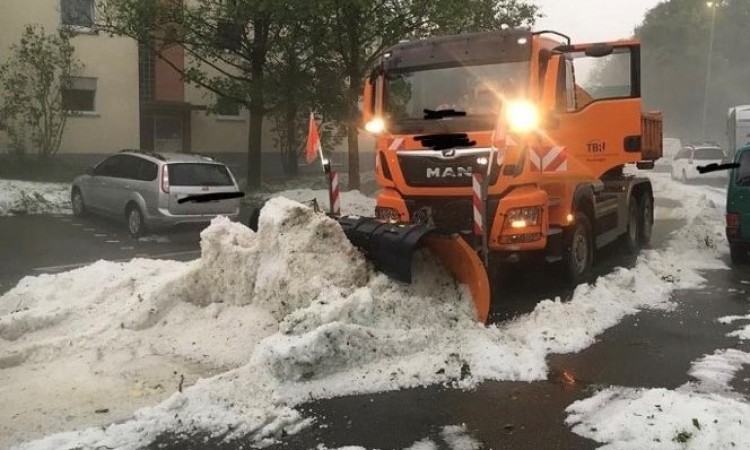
482,161
376,125
523,218
522,116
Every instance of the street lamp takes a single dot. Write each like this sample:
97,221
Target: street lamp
712,6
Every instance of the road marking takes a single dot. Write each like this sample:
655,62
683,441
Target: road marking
113,242
66,267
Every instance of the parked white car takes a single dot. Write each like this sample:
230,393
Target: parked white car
685,163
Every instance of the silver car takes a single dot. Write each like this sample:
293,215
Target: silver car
157,190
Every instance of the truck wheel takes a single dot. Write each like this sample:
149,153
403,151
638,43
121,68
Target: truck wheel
579,250
632,234
738,254
646,220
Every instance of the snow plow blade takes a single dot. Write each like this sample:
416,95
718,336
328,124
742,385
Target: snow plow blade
390,247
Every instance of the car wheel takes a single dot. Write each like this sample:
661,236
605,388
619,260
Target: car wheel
579,250
738,254
646,219
136,225
631,236
76,201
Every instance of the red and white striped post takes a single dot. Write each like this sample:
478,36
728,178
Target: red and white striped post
334,192
477,203
479,206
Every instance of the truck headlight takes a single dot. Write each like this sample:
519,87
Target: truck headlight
375,126
522,116
523,218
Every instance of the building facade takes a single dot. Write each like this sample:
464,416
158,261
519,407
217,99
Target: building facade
126,97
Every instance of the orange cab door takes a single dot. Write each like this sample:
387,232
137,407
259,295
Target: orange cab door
594,91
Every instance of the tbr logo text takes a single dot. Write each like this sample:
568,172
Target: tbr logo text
448,172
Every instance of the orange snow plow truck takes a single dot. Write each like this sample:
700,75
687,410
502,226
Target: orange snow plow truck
549,124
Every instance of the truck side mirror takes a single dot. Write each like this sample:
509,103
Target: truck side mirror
599,50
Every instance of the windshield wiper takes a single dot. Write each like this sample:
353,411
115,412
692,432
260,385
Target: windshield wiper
212,197
715,167
431,114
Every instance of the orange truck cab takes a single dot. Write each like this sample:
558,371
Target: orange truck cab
551,123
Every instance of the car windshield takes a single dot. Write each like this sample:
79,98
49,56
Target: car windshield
194,174
471,90
709,154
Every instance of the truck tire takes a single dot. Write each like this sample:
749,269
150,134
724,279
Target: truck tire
578,256
632,234
646,219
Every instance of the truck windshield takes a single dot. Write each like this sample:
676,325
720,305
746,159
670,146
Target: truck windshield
473,90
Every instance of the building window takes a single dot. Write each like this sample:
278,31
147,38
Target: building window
226,106
146,72
81,95
77,13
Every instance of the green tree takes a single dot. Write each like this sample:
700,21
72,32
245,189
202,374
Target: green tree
283,59
32,82
227,43
675,38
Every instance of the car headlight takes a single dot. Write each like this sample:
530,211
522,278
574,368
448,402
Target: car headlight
522,116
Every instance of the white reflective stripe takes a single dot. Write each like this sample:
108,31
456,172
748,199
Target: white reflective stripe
535,159
477,217
337,204
396,144
550,156
563,167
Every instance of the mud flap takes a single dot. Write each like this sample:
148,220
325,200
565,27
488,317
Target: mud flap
391,246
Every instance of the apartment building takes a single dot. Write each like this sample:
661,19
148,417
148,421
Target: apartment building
126,97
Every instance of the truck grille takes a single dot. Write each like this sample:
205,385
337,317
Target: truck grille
448,215
434,171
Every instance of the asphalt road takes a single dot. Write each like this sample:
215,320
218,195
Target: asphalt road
651,349
33,245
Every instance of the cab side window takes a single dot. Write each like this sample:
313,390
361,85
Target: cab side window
593,78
